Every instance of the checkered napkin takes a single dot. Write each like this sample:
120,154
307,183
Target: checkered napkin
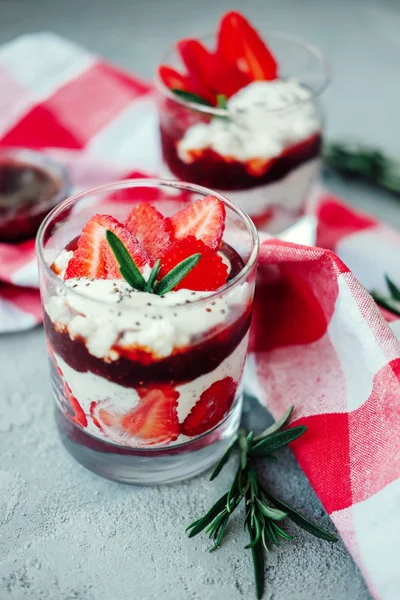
318,341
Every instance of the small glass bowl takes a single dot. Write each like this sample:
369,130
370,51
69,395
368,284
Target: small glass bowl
31,184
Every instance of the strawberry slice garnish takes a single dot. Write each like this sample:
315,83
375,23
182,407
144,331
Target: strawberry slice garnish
240,46
200,64
153,421
209,274
213,405
205,219
174,80
93,257
153,232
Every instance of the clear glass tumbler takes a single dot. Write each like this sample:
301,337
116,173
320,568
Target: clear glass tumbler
170,371
266,163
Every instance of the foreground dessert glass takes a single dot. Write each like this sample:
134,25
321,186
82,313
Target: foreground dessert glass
112,350
264,148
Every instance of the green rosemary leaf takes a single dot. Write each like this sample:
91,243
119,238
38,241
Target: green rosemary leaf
127,267
387,302
222,101
216,523
264,539
277,440
271,533
257,534
271,513
220,465
176,274
233,491
220,534
243,448
394,290
198,526
281,532
275,426
258,563
153,276
300,520
189,97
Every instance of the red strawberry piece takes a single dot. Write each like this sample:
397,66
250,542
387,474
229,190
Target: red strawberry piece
175,80
213,405
205,219
200,64
241,46
148,225
79,416
209,274
154,420
93,257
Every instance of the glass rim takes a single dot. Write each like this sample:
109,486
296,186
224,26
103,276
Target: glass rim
147,182
46,163
222,112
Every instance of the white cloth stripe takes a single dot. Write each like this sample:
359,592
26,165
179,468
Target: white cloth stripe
64,60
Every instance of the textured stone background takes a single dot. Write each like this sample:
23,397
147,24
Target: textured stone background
65,533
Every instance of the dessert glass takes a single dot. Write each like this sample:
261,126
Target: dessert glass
189,351
31,184
272,186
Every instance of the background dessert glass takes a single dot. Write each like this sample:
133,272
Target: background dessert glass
196,347
273,188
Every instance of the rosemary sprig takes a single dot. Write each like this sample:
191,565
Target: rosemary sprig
392,301
189,97
263,509
133,276
363,162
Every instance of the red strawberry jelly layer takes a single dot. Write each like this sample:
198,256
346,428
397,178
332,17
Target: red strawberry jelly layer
141,369
22,188
211,170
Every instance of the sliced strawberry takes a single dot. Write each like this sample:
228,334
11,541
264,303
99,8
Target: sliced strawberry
205,219
175,80
213,405
79,416
89,258
240,46
148,225
93,257
153,421
200,64
209,274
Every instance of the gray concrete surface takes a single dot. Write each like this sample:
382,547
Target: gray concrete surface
65,533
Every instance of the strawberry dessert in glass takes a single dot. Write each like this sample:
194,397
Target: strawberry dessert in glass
238,113
147,290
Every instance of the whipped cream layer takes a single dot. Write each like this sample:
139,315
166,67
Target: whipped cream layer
89,388
108,314
265,117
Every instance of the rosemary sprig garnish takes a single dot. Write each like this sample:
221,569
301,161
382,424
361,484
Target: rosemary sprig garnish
127,266
263,509
189,97
392,301
133,276
363,162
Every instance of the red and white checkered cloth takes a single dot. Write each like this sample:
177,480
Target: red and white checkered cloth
318,341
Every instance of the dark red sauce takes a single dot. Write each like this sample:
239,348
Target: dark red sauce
211,170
